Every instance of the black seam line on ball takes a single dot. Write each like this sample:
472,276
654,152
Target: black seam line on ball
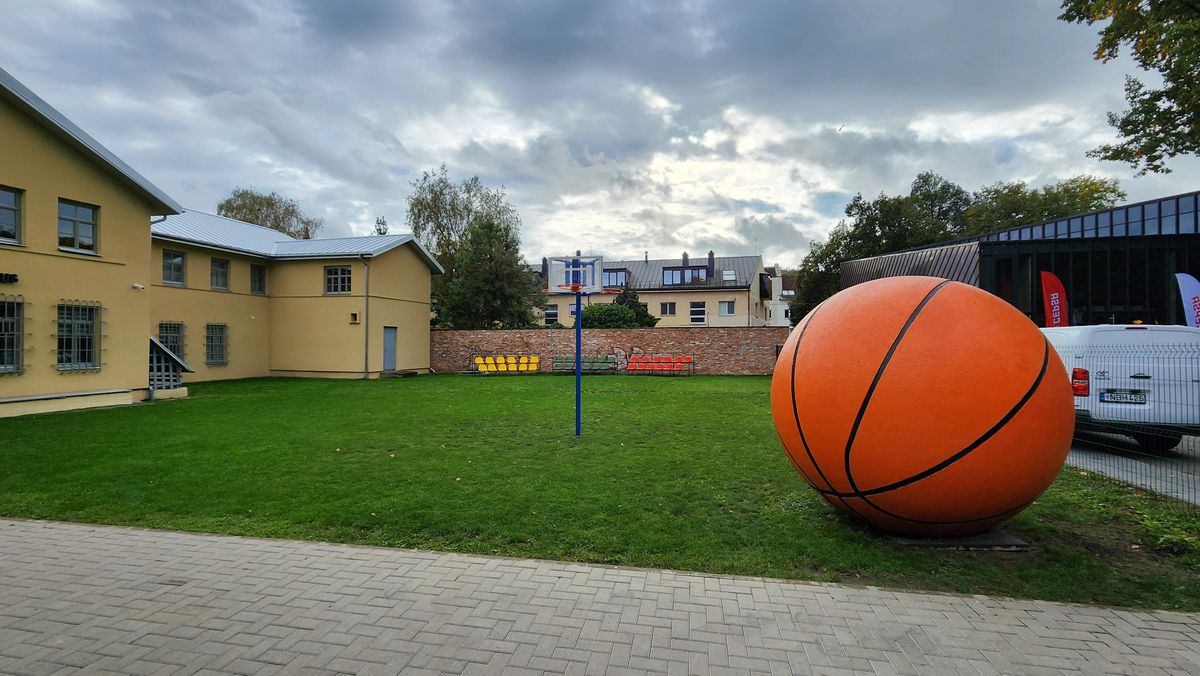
970,447
800,428
862,410
1005,514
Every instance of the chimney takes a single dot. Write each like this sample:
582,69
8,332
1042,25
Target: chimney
545,269
647,257
712,265
685,260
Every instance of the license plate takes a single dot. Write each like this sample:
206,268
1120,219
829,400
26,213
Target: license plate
1123,396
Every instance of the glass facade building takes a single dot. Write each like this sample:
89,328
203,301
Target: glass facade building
1118,265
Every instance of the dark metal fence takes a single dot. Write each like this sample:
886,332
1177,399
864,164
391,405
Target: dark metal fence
1138,415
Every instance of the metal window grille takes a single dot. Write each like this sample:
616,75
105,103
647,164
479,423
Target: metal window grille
551,312
164,371
77,225
10,214
173,267
337,279
78,336
170,334
699,313
220,274
216,344
258,279
11,334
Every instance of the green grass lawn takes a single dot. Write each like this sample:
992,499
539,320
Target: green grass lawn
682,473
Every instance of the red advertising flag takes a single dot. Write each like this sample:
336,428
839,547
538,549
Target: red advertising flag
1054,300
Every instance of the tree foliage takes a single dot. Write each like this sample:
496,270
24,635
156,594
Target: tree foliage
608,316
629,298
442,212
493,289
1164,37
270,211
936,210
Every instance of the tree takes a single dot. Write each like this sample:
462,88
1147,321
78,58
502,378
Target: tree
936,210
270,211
441,213
1164,37
493,289
629,298
608,316
381,225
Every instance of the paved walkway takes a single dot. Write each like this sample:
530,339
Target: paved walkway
139,601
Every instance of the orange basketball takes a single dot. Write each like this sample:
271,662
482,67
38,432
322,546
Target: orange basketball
922,405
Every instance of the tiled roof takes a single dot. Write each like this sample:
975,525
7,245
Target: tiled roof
56,122
219,232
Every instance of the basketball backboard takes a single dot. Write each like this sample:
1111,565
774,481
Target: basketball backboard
575,274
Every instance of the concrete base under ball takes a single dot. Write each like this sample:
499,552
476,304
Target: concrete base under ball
992,540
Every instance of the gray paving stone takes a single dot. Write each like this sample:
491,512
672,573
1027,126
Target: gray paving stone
116,600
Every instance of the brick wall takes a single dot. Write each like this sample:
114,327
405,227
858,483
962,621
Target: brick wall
736,351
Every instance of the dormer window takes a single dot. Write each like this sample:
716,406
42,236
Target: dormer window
614,278
689,275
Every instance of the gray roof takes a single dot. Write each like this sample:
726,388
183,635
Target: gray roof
229,234
21,96
647,275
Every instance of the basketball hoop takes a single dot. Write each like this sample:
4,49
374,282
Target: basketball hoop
609,291
573,288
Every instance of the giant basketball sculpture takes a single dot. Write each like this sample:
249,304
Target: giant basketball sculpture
922,405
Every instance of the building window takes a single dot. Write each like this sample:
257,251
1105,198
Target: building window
787,314
173,267
573,308
11,334
699,314
725,308
551,312
337,279
78,337
220,274
170,334
614,278
684,276
258,279
666,309
216,344
77,225
10,214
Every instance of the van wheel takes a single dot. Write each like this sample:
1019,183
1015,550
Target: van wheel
1157,442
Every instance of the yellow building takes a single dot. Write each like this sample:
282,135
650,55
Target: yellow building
87,283
712,291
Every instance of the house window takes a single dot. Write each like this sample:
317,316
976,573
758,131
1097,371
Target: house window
699,314
258,279
78,337
77,226
787,314
684,276
337,279
666,309
573,307
725,308
170,334
551,312
220,274
10,214
216,344
173,267
614,278
10,336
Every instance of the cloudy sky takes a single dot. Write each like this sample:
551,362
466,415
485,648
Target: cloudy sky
616,127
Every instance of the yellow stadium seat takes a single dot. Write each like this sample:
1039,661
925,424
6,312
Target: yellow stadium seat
511,360
523,360
522,366
489,360
534,361
501,366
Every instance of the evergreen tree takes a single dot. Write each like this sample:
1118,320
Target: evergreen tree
493,289
629,298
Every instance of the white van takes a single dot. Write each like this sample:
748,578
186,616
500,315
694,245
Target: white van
1138,380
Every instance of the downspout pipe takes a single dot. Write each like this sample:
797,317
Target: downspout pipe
366,317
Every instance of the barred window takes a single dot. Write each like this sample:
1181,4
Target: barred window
77,225
258,279
698,312
220,274
78,337
170,334
11,313
172,267
216,344
337,279
10,214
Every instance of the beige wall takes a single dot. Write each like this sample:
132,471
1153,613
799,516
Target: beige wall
247,316
748,309
46,169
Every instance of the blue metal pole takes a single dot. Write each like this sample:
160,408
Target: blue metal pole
578,360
